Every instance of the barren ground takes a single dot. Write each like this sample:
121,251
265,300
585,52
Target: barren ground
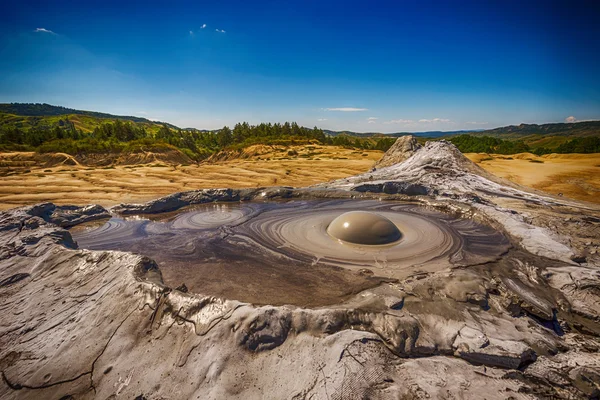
107,186
26,181
574,175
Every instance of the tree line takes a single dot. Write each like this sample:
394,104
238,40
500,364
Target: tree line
589,144
121,136
488,144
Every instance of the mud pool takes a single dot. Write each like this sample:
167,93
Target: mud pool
281,252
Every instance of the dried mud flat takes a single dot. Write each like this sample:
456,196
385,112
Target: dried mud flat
524,323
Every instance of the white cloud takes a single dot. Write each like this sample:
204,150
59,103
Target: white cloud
345,109
399,121
44,30
435,120
570,119
372,120
476,123
322,119
203,26
220,30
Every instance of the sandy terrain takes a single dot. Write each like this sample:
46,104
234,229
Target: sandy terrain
64,181
107,186
574,175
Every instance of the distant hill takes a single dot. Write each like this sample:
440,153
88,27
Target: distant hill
523,131
429,134
577,129
37,111
27,124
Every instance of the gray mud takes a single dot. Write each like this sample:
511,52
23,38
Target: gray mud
280,252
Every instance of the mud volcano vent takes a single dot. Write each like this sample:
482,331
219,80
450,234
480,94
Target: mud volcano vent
307,253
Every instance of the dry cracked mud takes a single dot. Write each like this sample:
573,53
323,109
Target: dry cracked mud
493,292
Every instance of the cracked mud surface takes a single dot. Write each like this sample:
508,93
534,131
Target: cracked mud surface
105,324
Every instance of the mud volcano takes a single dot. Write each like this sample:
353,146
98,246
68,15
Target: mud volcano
343,307
308,253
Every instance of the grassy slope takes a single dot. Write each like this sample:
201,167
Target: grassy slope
85,123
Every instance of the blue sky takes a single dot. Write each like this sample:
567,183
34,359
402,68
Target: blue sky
362,66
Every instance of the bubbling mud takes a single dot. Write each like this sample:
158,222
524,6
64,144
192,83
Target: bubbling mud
297,252
362,227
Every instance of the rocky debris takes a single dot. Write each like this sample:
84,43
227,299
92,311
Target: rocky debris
102,324
403,148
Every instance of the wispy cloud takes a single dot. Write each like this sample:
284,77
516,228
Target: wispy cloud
191,33
220,30
203,26
44,30
346,109
399,121
372,120
476,123
322,119
571,119
435,120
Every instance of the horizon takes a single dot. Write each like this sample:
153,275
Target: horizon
339,66
281,122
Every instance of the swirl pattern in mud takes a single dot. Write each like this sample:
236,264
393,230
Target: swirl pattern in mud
276,253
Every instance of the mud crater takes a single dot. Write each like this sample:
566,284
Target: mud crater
282,253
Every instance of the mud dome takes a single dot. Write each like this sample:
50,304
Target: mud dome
364,228
282,253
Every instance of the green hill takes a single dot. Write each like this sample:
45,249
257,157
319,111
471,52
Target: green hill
25,116
47,128
47,110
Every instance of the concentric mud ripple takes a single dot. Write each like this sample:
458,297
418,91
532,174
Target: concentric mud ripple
429,239
214,216
114,231
277,253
